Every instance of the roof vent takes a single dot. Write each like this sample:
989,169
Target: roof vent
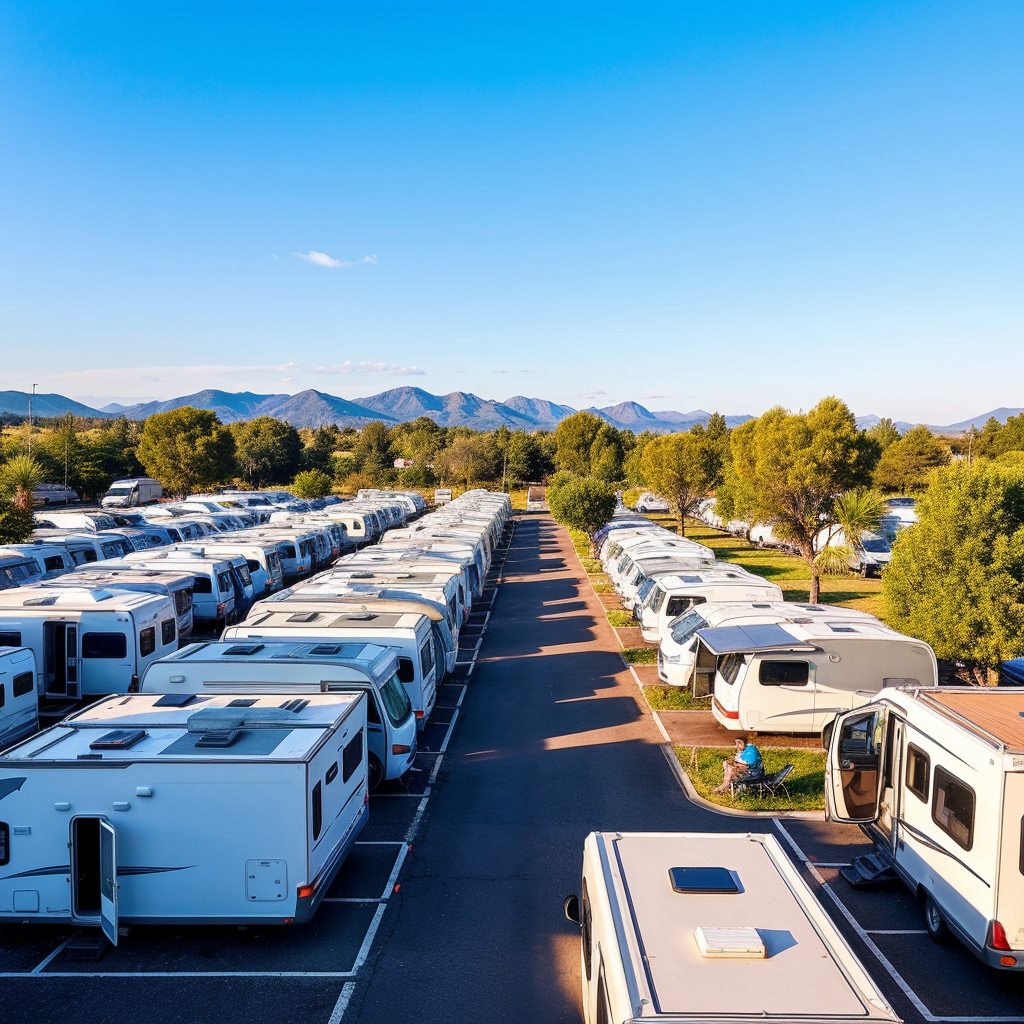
839,628
325,650
303,617
362,575
218,737
175,700
360,616
295,705
243,650
760,606
242,702
34,602
119,739
737,943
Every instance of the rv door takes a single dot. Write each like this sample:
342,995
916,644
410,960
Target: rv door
108,881
853,767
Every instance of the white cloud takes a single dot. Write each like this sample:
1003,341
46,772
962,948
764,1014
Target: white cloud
368,259
593,394
366,366
501,371
646,397
321,259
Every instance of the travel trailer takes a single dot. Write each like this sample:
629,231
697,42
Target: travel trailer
88,641
409,633
935,777
293,668
648,502
19,698
139,490
710,927
220,810
797,676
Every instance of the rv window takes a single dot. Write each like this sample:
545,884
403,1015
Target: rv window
288,550
332,773
203,585
784,673
427,657
585,925
22,684
104,645
372,713
679,605
89,555
917,772
253,565
112,550
352,756
10,639
729,667
53,563
5,843
406,671
687,626
224,582
168,632
147,641
3,697
953,808
604,1013
318,812
396,700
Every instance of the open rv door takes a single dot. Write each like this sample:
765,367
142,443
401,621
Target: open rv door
108,881
853,766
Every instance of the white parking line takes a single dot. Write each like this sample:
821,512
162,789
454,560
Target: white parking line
40,966
896,931
342,1004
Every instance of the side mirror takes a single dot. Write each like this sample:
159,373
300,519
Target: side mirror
572,909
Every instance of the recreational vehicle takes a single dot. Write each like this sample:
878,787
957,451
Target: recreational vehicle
84,519
409,633
935,777
51,558
215,593
17,570
263,561
710,927
87,547
19,698
88,641
797,676
294,668
218,810
414,561
139,490
53,494
648,502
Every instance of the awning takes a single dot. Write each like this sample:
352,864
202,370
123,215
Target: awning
746,639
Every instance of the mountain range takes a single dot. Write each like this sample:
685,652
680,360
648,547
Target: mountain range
458,409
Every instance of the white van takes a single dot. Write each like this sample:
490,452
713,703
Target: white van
263,561
219,811
53,494
798,676
683,926
17,570
291,668
87,641
81,519
19,698
51,558
87,546
138,490
409,633
935,777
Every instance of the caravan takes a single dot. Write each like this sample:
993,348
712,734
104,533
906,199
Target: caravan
218,810
19,698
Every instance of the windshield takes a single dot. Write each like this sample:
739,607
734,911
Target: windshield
396,700
119,491
876,546
684,627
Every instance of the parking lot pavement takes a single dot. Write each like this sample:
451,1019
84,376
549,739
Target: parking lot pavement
702,729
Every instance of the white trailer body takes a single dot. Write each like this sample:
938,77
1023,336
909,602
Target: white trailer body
289,667
140,490
442,587
935,777
82,519
697,928
263,561
217,811
213,595
398,560
52,559
88,641
19,698
409,633
797,676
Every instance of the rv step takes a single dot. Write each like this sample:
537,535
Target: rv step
870,869
86,946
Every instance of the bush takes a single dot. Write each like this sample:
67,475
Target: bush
313,483
582,504
620,620
641,655
15,523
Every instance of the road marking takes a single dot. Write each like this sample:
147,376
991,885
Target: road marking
417,818
896,931
364,949
39,968
448,735
389,887
342,1004
181,974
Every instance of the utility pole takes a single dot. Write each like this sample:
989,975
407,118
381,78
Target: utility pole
30,397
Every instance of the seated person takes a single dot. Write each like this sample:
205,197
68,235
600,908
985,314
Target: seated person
746,763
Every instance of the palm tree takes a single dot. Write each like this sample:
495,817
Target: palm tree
856,512
19,477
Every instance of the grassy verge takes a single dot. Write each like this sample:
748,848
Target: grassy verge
581,542
641,655
806,785
620,619
591,566
675,698
603,588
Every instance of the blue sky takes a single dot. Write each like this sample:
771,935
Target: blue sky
717,205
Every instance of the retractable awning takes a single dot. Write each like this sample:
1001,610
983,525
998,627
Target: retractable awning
747,639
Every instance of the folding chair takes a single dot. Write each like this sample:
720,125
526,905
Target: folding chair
766,785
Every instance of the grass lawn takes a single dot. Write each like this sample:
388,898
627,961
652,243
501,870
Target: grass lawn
675,698
603,588
620,619
640,655
806,785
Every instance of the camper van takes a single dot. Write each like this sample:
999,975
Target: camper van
263,561
409,633
398,560
88,641
220,810
935,777
53,494
216,589
293,668
139,490
17,570
797,676
683,926
83,519
19,698
87,546
49,559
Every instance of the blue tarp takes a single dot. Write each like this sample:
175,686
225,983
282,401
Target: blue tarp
737,639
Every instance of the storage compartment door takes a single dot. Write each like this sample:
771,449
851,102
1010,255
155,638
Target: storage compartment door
108,881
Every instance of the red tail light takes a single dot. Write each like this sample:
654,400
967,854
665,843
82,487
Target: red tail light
305,891
997,937
400,748
725,714
419,714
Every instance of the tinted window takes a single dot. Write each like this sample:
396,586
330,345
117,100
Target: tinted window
224,582
5,843
104,645
953,808
203,585
396,701
784,673
53,563
113,550
917,772
22,684
585,925
3,695
729,667
679,605
406,670
318,811
288,550
427,657
687,626
352,756
147,641
168,632
253,565
10,639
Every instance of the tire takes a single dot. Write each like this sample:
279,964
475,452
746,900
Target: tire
375,771
934,921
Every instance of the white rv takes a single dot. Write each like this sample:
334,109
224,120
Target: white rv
17,570
797,676
214,595
220,810
291,668
263,561
52,559
19,698
409,633
88,641
443,587
83,519
679,927
935,777
139,490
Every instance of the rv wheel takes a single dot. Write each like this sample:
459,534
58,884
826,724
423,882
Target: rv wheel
375,769
933,920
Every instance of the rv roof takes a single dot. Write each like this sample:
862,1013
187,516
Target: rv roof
74,597
798,978
283,616
358,654
997,712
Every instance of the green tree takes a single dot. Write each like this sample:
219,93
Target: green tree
906,463
582,503
606,454
884,434
19,477
372,451
574,441
788,470
632,466
267,450
956,578
187,450
16,523
1008,438
318,448
471,458
312,483
683,468
856,512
